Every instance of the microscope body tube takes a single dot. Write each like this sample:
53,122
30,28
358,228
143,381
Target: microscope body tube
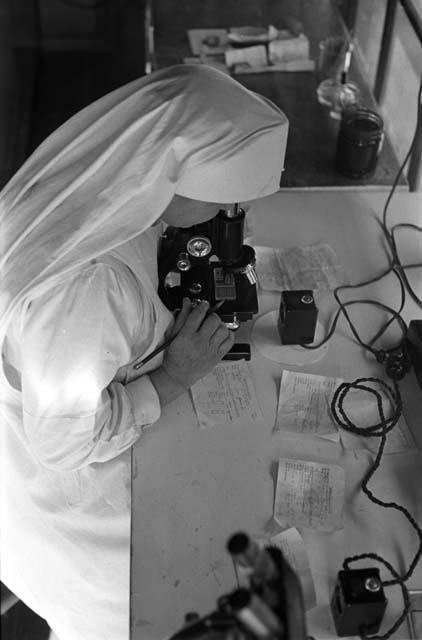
230,235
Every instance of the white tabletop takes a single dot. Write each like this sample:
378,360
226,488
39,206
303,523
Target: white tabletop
192,487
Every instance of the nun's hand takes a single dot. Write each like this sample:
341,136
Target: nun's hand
201,342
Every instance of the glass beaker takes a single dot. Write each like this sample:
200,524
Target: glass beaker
334,90
330,57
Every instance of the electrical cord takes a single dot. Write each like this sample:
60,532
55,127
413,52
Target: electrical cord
397,364
400,268
390,235
342,309
396,267
380,430
407,156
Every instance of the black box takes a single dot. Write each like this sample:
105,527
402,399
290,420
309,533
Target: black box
413,344
298,317
358,603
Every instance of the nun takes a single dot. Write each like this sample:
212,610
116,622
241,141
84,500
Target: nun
80,225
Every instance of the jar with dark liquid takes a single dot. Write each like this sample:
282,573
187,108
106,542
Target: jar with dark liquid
359,142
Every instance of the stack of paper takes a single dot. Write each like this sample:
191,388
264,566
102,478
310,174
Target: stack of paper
284,53
250,50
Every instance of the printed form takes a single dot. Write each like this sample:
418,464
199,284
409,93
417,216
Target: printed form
304,404
313,267
309,495
226,395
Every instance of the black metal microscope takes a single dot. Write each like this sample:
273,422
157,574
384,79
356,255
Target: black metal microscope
210,262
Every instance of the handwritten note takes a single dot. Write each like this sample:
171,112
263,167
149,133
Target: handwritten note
304,403
309,495
226,395
291,544
415,617
313,267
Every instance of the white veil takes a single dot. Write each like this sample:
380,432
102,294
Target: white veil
108,173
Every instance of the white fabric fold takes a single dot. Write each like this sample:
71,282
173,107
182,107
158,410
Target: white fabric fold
109,172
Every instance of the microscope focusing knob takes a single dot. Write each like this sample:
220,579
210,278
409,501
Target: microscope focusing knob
199,246
246,264
249,271
183,262
234,323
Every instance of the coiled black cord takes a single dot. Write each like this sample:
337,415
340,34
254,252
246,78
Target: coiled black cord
379,430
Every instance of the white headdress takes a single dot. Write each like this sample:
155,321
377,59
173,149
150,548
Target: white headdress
109,172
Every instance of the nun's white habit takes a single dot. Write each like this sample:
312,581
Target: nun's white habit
78,305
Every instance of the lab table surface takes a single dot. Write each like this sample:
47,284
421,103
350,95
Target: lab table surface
193,487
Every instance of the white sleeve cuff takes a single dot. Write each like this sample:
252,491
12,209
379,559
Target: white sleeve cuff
144,400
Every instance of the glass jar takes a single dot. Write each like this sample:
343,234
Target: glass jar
359,142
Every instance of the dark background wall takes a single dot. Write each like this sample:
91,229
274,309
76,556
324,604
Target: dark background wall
57,56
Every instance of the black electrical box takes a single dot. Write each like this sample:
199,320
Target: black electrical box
413,344
298,317
358,603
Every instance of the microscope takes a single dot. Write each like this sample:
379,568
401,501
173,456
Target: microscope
269,607
210,262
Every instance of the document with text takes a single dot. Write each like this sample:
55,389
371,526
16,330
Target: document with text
226,395
315,267
304,404
309,495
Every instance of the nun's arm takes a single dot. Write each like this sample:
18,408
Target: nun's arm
74,340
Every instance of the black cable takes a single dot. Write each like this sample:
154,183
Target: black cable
385,425
408,154
395,314
342,309
400,268
390,235
395,267
379,430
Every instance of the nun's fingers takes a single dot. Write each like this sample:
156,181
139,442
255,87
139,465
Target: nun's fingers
182,316
195,318
222,341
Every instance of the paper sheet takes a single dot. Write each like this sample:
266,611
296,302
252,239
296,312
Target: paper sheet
291,544
255,56
415,615
200,37
309,495
226,395
399,440
313,267
304,403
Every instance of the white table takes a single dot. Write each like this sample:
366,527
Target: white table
192,487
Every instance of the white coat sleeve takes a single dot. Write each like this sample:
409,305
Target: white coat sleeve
74,339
